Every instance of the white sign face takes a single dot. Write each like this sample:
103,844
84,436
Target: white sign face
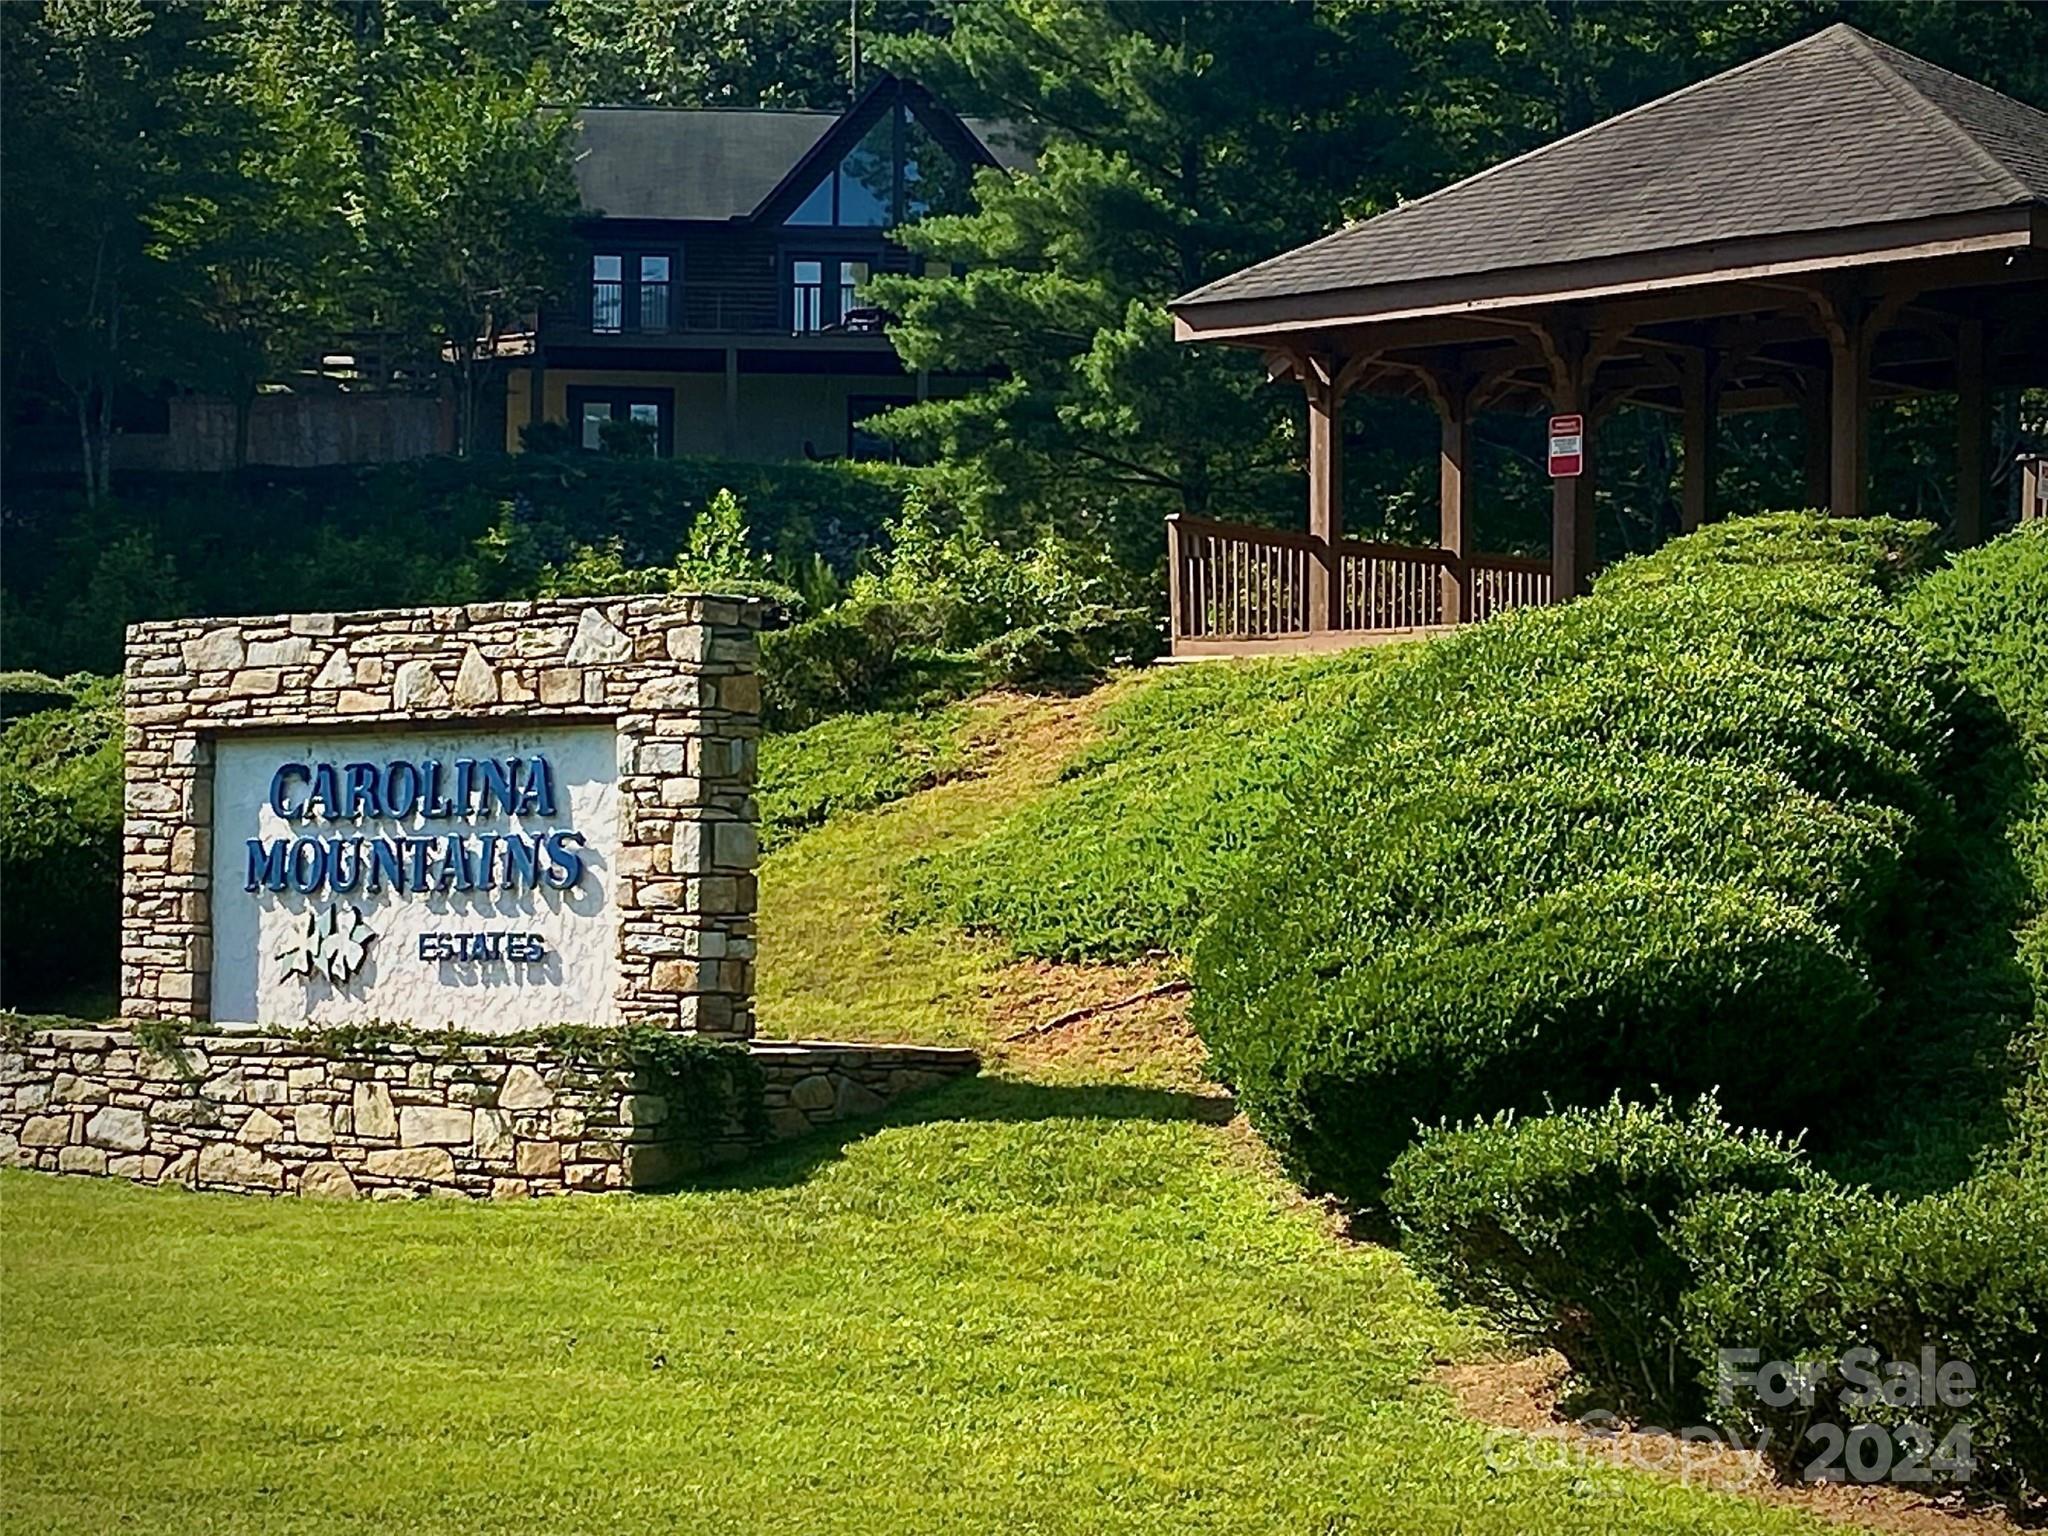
423,878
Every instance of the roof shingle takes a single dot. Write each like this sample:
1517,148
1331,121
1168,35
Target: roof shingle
1835,131
708,163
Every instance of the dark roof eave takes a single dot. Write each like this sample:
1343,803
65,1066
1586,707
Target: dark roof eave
1255,320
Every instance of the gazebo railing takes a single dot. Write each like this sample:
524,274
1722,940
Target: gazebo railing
1235,582
1232,582
1501,582
1390,586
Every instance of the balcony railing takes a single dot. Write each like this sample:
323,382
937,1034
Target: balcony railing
1234,587
667,309
641,309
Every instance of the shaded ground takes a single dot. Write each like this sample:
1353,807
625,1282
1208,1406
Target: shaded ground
1520,1394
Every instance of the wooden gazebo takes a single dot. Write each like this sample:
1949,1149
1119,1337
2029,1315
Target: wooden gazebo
1834,223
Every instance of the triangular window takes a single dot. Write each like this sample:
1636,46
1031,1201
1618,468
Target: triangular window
900,170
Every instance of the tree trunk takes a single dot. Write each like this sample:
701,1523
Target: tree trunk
82,400
465,406
107,376
245,407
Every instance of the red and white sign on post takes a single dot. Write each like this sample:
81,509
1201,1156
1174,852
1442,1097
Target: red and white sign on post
1567,446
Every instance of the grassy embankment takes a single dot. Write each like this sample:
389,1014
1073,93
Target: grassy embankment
1064,1297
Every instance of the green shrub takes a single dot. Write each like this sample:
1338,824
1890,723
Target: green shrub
60,845
433,531
1987,615
1810,1275
1668,835
1070,652
1880,552
1561,1228
853,763
866,653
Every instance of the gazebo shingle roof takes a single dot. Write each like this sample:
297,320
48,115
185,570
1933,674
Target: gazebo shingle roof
1836,131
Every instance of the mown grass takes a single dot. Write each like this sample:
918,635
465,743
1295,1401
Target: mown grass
1015,1308
833,962
854,763
1016,1304
1150,823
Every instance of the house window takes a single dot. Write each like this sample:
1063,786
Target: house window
851,275
654,308
607,293
824,291
899,170
817,208
807,295
624,418
867,178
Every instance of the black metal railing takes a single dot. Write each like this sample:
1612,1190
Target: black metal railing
658,309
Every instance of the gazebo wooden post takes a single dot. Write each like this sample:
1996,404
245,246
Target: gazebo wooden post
1970,452
1572,364
1697,387
1325,490
1845,320
1453,394
1813,411
1848,424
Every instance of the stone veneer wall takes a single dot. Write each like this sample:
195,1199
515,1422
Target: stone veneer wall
263,1114
675,676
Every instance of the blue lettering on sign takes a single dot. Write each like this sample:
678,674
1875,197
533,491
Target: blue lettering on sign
410,862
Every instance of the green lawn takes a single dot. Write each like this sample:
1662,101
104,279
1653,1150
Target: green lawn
1029,1308
1017,1305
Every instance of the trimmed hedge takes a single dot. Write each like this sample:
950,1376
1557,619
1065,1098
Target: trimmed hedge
1667,836
1563,1228
1813,1274
1642,1246
1880,552
1987,616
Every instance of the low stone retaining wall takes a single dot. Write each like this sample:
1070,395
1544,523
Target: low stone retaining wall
501,1121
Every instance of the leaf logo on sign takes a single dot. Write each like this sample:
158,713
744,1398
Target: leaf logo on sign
330,942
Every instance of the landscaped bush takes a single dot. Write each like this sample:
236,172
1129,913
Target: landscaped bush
1562,1228
60,846
1669,835
1813,1274
1884,553
854,763
938,616
1987,615
866,653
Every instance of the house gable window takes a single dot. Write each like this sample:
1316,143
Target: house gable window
898,171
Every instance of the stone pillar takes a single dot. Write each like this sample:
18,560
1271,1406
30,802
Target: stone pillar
673,678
